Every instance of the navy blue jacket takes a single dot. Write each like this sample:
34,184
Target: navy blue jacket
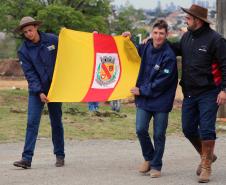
38,61
157,79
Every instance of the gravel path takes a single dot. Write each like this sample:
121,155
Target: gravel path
106,162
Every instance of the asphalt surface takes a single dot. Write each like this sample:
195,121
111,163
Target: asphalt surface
106,162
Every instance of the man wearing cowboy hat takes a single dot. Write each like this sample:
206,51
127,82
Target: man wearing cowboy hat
37,56
203,83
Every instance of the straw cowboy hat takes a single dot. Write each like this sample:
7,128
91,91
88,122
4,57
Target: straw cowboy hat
25,21
198,12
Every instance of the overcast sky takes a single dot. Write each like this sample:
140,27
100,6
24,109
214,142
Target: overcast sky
149,4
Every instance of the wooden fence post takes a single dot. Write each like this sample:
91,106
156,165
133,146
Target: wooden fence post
221,28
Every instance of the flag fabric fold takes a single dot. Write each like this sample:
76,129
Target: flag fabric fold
93,67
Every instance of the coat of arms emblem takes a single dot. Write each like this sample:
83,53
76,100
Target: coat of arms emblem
107,70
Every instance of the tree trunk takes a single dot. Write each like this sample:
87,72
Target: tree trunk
221,28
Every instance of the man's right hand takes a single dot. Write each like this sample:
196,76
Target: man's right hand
135,91
43,98
221,98
126,34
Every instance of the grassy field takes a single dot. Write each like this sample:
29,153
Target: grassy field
78,122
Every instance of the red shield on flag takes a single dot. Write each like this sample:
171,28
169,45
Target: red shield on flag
107,69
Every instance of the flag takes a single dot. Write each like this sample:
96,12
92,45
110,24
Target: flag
93,67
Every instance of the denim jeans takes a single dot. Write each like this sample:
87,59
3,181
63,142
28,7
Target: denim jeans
199,115
93,106
152,153
115,105
35,107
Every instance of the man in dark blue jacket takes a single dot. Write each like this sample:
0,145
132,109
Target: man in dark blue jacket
37,56
154,96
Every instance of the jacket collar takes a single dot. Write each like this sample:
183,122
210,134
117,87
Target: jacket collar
156,50
200,31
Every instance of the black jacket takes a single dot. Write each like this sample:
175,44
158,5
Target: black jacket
203,61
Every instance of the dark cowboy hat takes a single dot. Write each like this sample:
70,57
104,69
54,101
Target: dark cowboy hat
198,12
25,21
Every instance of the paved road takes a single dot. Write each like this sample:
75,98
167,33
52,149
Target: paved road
101,162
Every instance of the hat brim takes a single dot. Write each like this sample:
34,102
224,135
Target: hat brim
19,28
193,14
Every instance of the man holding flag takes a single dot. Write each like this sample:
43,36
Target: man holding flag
37,56
154,95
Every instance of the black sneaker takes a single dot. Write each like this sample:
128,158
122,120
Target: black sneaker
23,164
59,162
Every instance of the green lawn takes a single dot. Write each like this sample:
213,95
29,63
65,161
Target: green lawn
78,122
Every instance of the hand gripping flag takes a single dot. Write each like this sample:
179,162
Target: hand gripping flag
93,67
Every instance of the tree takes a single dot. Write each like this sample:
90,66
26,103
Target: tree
128,19
11,12
60,16
85,15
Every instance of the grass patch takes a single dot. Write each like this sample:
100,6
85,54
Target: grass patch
82,125
78,122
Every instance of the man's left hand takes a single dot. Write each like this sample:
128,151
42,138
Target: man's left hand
221,98
135,91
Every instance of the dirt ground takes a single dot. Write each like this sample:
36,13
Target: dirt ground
10,83
10,67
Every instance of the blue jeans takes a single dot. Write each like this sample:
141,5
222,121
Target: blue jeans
115,105
199,115
152,153
35,107
93,106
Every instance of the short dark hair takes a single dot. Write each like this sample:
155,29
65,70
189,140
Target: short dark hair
160,24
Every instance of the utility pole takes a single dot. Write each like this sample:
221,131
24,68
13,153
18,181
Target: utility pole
221,28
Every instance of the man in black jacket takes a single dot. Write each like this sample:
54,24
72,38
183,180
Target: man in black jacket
203,84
